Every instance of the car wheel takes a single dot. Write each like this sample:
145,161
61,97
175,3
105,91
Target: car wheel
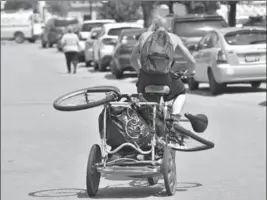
88,63
19,37
255,84
95,66
101,66
50,45
32,40
215,88
115,70
192,84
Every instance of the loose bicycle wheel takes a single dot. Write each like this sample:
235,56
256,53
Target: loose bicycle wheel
192,138
86,98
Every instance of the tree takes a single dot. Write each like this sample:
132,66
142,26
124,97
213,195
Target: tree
17,5
121,10
148,10
232,13
60,8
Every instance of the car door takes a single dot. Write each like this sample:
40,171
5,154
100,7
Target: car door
200,59
209,50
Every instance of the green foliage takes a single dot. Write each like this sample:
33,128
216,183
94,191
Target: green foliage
17,5
121,10
60,8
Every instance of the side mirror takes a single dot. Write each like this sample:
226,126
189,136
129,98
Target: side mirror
193,47
94,36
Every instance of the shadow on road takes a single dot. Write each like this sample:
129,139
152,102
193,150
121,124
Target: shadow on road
228,90
262,103
136,189
128,75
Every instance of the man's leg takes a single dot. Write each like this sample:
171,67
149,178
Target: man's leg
178,104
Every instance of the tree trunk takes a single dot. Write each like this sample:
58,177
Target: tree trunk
170,5
148,11
232,14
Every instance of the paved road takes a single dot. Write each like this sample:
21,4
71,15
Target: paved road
44,152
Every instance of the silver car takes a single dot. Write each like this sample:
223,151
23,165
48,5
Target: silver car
230,55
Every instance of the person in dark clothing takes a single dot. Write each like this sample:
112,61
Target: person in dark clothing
177,95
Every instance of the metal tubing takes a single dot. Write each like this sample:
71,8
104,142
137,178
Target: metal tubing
154,132
137,103
127,144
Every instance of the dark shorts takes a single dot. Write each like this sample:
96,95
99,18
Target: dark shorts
72,57
176,85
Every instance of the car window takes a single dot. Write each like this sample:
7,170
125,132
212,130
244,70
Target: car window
117,31
88,27
196,28
246,37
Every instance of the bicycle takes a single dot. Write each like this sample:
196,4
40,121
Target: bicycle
159,156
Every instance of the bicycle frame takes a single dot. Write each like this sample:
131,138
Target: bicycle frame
104,165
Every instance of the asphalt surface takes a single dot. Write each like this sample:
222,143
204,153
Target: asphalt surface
44,151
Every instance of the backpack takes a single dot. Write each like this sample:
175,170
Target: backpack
157,53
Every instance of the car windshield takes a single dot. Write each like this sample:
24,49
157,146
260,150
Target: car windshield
246,37
196,28
117,31
88,27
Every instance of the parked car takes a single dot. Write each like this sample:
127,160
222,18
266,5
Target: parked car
191,28
256,21
85,31
230,55
54,28
87,26
88,51
121,58
105,44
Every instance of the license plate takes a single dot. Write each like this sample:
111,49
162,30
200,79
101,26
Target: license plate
251,58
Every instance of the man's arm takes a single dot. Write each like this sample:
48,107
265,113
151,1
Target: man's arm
135,56
181,48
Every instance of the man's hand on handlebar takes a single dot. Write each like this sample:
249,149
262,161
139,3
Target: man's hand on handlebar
183,74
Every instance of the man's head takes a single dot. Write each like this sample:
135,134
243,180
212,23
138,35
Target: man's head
158,23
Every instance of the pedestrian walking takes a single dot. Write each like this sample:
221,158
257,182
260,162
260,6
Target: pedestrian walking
71,47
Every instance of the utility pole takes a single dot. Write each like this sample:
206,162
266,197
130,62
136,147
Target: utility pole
91,9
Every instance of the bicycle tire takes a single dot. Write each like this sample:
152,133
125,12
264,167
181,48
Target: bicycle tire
98,89
207,144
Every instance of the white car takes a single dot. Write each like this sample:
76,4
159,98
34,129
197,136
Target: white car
228,56
86,28
105,45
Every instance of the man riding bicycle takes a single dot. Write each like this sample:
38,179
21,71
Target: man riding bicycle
177,95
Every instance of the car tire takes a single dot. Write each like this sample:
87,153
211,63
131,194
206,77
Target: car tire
192,84
50,45
101,66
32,40
215,88
255,84
115,71
88,63
19,37
95,66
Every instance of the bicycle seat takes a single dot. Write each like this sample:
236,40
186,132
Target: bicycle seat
157,89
